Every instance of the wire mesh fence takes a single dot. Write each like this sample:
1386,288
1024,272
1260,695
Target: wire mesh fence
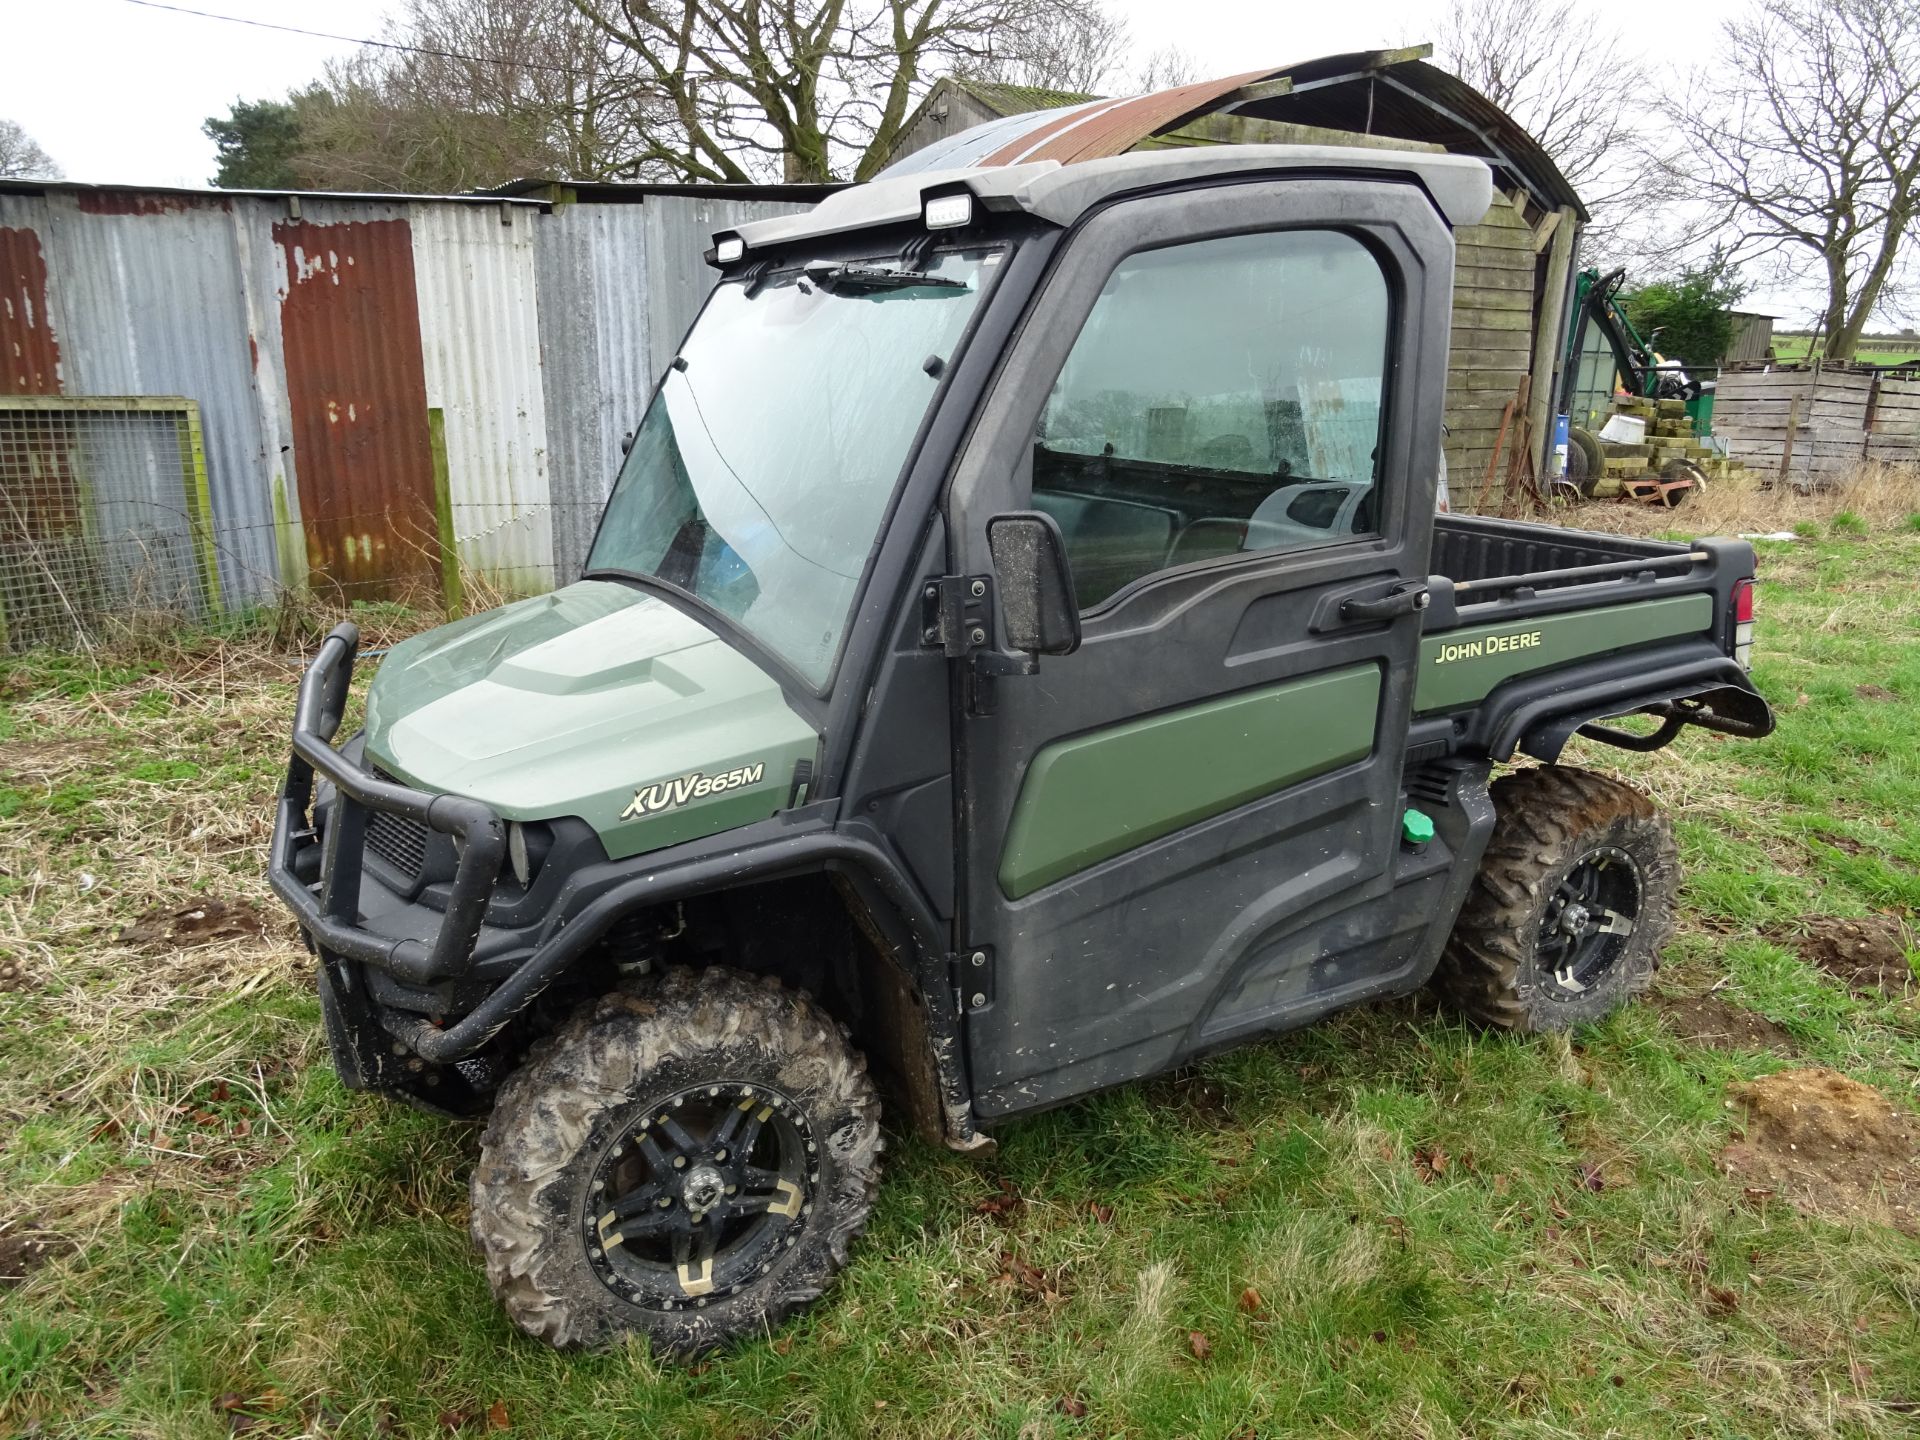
105,522
103,511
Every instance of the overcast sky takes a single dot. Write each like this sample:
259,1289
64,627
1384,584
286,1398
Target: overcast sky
117,92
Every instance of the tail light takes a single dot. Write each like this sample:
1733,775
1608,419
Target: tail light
1743,622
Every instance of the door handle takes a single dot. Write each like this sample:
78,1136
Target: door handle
1403,600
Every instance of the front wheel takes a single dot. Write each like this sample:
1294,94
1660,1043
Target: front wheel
688,1161
1574,900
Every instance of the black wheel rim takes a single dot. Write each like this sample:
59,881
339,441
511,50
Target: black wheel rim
700,1195
1589,921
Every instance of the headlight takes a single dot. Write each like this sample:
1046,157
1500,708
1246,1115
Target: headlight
517,854
527,847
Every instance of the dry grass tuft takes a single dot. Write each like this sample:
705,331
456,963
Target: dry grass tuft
1879,497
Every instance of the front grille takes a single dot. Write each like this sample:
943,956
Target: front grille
401,842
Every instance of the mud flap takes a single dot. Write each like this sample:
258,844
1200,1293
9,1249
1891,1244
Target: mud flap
363,1051
358,1044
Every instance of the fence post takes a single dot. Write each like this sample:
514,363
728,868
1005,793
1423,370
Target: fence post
199,496
451,590
1786,449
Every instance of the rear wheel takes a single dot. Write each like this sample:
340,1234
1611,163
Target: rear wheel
689,1160
1574,899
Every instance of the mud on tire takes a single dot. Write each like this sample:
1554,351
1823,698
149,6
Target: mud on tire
1574,857
607,1090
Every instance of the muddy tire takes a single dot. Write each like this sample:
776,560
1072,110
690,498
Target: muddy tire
688,1160
1573,902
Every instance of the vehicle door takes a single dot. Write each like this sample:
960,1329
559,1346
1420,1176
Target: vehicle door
1229,399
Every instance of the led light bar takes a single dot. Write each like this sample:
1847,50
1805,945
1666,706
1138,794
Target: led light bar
945,212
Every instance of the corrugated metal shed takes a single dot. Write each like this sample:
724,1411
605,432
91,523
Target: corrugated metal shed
596,366
329,338
1114,127
148,300
954,105
619,285
475,276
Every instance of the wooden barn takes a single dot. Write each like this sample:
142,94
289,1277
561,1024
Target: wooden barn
1514,269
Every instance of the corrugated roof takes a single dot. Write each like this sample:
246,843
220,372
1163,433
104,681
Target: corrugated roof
637,192
1116,126
153,199
1369,92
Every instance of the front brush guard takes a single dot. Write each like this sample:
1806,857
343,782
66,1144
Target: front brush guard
328,907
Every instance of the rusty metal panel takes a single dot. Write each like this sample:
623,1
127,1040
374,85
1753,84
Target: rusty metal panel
1116,128
480,340
29,349
350,325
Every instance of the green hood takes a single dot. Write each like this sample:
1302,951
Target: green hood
598,701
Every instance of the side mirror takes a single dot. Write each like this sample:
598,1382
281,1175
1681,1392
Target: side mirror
1035,583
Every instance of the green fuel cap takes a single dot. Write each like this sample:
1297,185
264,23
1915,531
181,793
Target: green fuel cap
1416,828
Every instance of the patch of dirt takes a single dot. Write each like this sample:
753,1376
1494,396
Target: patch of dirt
40,759
1829,1146
25,1247
204,922
1868,956
1874,692
1716,1024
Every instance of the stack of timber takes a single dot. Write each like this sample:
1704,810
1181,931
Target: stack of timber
1800,425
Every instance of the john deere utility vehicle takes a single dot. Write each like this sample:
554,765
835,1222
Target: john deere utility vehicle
1019,655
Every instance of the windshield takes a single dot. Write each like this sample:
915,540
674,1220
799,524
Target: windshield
759,478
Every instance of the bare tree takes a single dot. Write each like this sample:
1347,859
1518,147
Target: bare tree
469,93
804,90
1163,69
1803,148
1563,74
21,155
1070,49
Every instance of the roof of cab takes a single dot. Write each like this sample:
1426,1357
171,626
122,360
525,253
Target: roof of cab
1460,186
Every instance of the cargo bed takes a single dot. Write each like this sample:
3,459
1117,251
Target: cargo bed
1474,548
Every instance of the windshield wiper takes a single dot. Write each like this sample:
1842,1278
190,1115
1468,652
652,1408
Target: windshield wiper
877,277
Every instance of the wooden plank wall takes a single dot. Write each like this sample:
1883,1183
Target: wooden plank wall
1492,342
1893,435
1830,405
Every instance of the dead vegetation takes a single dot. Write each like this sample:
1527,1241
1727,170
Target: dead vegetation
1876,498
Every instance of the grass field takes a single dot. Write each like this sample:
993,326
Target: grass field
1388,1225
1873,352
